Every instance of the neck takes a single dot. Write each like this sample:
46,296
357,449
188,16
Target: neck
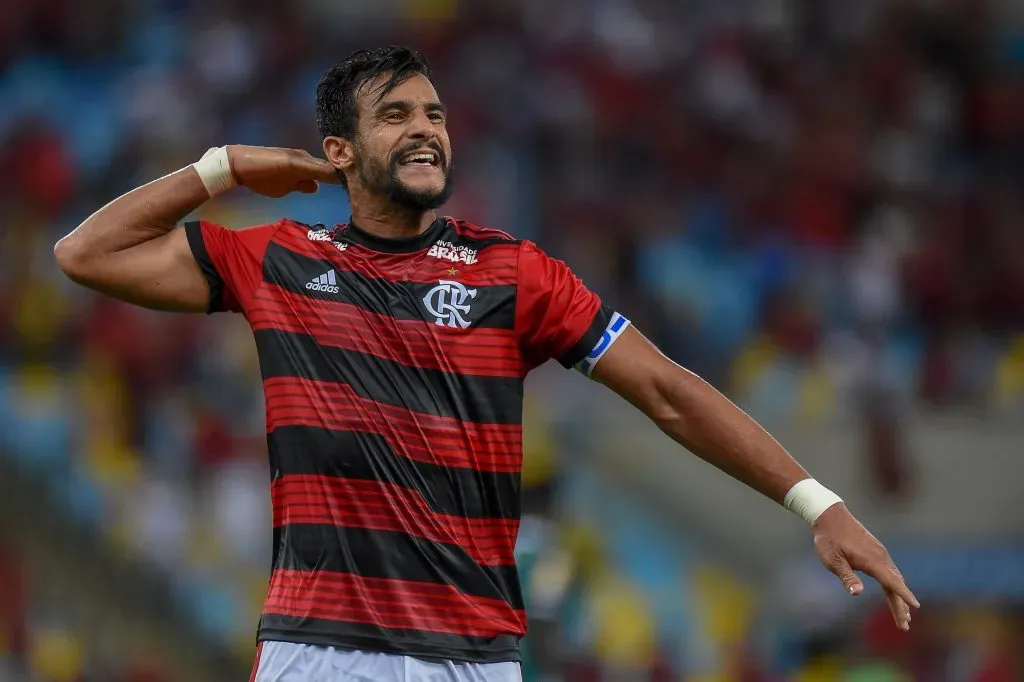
389,221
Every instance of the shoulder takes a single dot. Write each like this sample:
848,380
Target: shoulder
299,236
294,227
479,237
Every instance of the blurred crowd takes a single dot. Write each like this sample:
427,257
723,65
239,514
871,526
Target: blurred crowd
816,204
38,640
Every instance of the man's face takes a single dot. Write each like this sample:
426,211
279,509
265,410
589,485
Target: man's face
402,147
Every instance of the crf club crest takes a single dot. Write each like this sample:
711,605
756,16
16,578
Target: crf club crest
449,302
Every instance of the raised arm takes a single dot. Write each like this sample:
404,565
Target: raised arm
131,248
704,421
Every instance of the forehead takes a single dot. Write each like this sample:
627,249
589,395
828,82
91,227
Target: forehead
417,90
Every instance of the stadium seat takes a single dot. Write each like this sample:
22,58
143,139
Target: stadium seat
1009,383
56,655
624,631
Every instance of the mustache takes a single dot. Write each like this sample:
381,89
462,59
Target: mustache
433,146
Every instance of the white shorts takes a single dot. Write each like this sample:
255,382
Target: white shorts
288,662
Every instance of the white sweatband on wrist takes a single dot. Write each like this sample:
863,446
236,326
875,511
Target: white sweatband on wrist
808,499
215,171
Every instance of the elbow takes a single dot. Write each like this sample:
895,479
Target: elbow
665,416
681,401
663,404
71,259
64,253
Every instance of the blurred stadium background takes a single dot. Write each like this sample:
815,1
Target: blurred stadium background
815,204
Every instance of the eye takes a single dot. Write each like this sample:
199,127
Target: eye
393,116
437,117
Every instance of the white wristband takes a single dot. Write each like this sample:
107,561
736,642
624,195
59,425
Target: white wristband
808,499
215,171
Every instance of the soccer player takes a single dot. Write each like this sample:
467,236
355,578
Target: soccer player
393,350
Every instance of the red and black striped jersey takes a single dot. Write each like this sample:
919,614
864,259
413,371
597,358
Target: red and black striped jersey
393,376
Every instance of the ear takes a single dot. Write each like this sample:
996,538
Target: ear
341,153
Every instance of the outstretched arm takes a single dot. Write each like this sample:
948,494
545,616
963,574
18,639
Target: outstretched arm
704,421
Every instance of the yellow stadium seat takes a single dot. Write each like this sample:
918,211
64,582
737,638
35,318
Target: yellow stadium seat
725,606
38,313
112,464
624,628
37,383
257,591
55,656
825,669
429,9
585,547
816,396
751,362
539,464
1009,382
104,398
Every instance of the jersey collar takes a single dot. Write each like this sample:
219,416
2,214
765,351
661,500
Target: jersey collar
352,233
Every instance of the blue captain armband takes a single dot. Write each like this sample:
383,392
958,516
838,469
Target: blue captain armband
616,325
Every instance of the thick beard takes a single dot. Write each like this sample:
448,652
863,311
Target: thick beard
391,186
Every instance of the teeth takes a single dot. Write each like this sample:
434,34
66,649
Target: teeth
415,158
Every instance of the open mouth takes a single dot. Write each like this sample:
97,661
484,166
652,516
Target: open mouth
423,158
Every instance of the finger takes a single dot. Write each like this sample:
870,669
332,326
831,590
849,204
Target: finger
307,186
890,578
841,567
900,610
322,171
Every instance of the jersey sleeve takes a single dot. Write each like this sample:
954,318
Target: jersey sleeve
231,261
558,317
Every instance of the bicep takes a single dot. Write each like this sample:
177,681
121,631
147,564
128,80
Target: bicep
160,274
634,368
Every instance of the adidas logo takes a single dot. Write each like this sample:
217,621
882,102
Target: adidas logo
326,283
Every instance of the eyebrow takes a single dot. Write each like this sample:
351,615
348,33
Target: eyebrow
408,105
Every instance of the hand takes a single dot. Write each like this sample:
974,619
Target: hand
275,171
845,546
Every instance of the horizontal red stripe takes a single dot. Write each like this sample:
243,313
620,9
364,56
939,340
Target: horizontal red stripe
455,450
373,505
278,301
488,352
465,357
497,266
442,441
396,604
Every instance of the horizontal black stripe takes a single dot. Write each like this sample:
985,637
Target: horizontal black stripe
492,307
369,457
439,646
391,555
470,398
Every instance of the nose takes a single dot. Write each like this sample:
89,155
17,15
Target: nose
420,127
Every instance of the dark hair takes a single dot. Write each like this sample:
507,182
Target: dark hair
336,112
